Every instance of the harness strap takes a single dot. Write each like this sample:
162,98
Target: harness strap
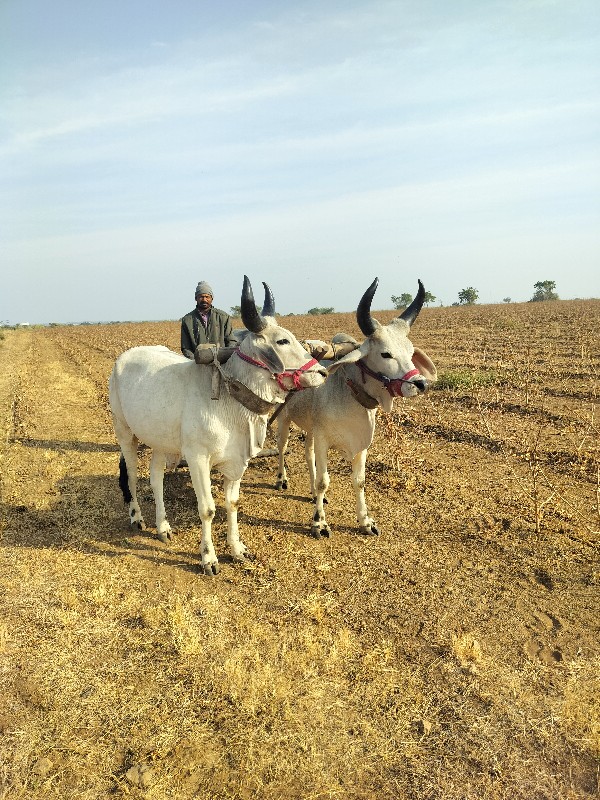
294,374
393,385
362,397
238,390
251,401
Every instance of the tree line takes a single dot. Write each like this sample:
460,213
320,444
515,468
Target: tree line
544,290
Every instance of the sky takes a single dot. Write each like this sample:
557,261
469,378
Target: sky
146,145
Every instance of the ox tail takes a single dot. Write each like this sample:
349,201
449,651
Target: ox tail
124,480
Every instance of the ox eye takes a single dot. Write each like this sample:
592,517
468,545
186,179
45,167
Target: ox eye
283,341
386,355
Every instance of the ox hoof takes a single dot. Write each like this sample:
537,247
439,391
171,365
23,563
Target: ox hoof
211,569
325,500
165,536
281,485
317,531
140,525
244,558
370,530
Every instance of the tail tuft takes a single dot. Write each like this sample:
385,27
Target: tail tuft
124,480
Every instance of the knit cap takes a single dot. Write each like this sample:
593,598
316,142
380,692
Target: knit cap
204,288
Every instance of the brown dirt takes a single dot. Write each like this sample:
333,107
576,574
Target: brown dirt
455,656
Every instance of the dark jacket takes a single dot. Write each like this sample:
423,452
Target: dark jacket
219,331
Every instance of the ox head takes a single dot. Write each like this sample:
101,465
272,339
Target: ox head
276,347
389,361
268,310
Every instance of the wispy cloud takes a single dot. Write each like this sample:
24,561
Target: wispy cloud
303,133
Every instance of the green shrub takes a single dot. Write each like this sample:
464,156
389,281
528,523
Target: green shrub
467,379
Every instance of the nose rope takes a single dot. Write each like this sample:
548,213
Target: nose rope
294,374
393,385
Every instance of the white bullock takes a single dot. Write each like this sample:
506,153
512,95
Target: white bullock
169,402
341,413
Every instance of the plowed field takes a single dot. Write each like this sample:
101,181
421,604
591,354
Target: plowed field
456,655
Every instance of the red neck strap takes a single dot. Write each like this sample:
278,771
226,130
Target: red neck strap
393,385
294,374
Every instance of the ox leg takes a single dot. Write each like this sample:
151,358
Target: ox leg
309,454
157,472
237,548
283,435
365,523
319,485
200,474
128,478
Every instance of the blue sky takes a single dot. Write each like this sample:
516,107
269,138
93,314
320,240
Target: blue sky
315,145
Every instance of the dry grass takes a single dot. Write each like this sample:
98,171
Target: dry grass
455,656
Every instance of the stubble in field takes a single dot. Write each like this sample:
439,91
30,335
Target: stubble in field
454,656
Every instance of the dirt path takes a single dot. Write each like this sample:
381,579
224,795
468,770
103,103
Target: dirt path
454,656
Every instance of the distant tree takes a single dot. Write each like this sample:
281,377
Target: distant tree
402,301
468,296
507,300
544,290
316,311
236,311
405,299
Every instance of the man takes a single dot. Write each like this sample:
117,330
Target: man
205,324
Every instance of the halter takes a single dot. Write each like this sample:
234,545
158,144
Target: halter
294,374
393,385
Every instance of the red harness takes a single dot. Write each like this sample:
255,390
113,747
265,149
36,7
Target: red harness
393,385
279,376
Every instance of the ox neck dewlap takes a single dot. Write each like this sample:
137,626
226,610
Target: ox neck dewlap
393,385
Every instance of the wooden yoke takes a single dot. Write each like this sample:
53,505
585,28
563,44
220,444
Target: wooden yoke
205,353
331,352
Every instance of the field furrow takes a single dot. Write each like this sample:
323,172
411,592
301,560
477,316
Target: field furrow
455,656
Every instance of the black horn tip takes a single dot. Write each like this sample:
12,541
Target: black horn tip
253,321
269,304
247,288
410,314
366,323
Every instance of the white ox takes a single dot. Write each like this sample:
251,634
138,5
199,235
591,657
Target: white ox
341,413
166,401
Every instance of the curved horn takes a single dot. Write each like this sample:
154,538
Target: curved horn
363,313
411,313
269,304
250,316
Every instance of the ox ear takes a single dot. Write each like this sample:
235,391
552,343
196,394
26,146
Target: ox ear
351,358
424,364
